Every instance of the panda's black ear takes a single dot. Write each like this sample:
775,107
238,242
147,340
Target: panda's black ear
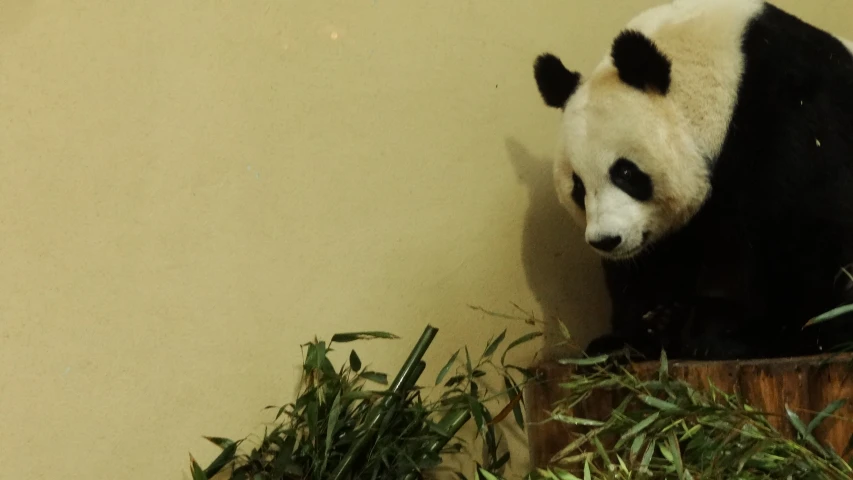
640,63
556,83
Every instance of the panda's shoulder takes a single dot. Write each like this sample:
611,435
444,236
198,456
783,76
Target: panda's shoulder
680,12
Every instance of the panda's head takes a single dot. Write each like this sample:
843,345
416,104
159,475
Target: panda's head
627,167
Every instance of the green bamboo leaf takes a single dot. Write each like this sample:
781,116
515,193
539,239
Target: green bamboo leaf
751,453
519,341
560,474
446,368
796,422
564,330
647,457
826,412
454,380
377,377
362,394
586,474
832,314
283,460
197,472
500,462
637,429
229,452
638,442
311,414
485,474
576,421
354,361
601,451
468,365
658,403
511,392
316,356
492,346
220,441
583,361
666,453
332,423
622,465
353,336
477,411
801,429
676,454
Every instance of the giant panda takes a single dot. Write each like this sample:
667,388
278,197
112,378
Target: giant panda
709,160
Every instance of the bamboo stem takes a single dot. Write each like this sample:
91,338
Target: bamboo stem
406,377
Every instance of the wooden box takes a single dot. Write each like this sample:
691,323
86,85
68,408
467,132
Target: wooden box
807,383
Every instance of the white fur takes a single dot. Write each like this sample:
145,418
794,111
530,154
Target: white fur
668,137
847,43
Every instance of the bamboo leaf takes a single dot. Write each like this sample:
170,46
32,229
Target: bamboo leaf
376,377
493,345
801,429
638,443
220,441
227,455
354,361
796,422
353,336
515,395
647,456
658,403
446,368
826,412
477,411
334,414
676,454
485,474
564,330
576,421
584,361
830,315
519,341
639,427
197,472
561,474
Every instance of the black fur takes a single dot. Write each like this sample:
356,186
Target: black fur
578,191
763,255
556,83
630,179
640,63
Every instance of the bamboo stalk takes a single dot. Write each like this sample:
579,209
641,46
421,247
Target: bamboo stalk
407,375
450,425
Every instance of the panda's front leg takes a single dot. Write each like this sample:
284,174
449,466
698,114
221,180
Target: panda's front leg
644,336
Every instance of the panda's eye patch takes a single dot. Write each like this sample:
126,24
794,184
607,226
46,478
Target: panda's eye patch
630,179
578,190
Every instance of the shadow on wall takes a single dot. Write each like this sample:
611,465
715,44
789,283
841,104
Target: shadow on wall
562,271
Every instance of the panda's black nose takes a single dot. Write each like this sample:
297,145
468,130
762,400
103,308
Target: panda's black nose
606,244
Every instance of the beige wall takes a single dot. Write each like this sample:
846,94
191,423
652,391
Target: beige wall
192,188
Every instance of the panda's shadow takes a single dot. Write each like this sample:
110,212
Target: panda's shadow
562,272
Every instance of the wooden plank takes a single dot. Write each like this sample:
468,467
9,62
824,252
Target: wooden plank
806,385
